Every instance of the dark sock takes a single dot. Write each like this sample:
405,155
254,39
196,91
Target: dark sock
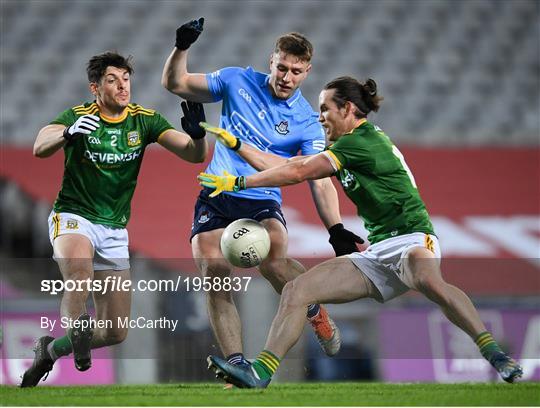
312,311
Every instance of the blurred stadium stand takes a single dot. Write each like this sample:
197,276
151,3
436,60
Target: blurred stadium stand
458,74
451,72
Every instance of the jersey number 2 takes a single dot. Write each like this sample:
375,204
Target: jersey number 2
399,155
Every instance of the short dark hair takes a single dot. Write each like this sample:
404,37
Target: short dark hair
98,64
295,44
363,95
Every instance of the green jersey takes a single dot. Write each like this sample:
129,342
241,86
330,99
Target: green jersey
101,169
376,178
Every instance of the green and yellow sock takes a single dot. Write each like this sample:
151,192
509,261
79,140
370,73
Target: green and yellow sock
266,364
60,347
487,345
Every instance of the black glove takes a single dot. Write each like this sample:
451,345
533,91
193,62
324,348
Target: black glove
343,241
193,115
188,33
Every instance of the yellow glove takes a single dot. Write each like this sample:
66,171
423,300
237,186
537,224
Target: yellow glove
227,182
223,137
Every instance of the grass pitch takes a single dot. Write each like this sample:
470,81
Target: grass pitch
311,394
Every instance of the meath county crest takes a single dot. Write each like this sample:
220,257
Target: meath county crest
282,128
133,139
72,224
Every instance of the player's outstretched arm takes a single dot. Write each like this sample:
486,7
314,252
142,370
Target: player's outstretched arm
175,77
256,158
294,172
190,146
53,137
49,140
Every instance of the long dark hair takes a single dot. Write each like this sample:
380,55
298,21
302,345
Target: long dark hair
363,95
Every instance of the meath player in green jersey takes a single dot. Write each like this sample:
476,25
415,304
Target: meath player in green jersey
404,252
104,143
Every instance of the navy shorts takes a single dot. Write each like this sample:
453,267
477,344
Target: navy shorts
220,211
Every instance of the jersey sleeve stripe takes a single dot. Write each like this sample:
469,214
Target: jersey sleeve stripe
87,112
135,106
140,113
334,161
162,133
85,109
141,109
91,106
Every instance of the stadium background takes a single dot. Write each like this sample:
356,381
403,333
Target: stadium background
461,87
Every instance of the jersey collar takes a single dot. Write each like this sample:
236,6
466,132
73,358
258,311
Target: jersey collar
109,119
362,121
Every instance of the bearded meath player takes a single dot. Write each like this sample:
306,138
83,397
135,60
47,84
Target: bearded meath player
404,251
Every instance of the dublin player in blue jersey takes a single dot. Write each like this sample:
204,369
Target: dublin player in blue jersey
267,113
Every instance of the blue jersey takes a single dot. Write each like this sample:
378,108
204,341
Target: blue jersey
250,112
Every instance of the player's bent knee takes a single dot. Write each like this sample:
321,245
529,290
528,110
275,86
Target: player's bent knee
293,294
433,287
275,268
115,336
215,268
76,269
288,296
420,257
219,295
78,275
423,283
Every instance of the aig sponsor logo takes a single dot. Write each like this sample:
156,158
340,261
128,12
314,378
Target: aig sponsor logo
244,94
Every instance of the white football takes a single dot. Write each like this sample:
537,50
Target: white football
245,243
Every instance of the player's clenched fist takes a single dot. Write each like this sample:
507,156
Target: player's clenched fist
188,33
85,125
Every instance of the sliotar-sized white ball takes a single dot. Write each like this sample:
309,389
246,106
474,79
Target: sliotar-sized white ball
245,243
